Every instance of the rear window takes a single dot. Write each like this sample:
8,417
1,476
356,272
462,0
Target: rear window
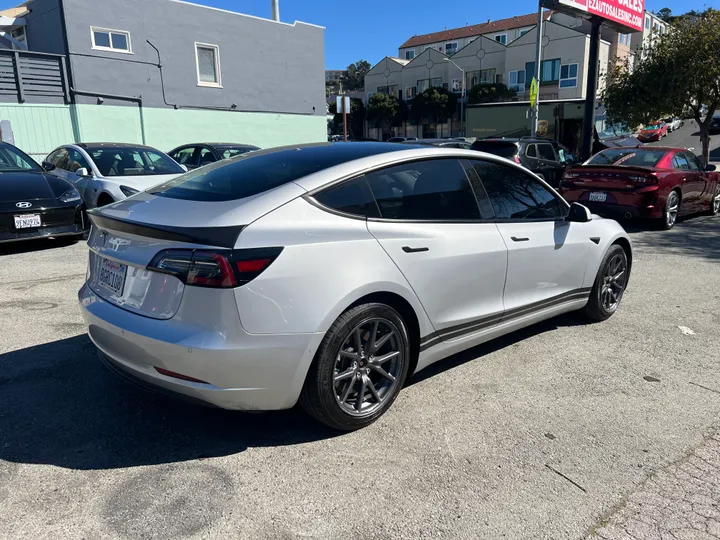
227,152
630,157
256,172
503,149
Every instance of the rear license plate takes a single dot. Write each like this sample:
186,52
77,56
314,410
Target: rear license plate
598,197
27,221
112,276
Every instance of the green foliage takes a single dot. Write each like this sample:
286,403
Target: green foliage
490,93
383,110
354,77
681,71
355,118
435,105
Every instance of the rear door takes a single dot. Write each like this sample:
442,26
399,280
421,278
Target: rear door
550,161
546,254
699,180
449,250
688,179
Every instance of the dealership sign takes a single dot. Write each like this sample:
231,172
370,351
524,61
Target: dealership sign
628,14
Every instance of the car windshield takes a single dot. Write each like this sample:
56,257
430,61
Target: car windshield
227,152
132,161
629,157
652,126
13,160
502,149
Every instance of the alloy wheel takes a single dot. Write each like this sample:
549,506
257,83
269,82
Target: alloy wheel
614,281
673,204
367,366
716,200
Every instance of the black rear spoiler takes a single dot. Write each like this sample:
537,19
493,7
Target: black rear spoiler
212,236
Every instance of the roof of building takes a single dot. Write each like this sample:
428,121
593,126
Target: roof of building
476,29
399,60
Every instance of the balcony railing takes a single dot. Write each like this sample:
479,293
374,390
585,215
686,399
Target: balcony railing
32,76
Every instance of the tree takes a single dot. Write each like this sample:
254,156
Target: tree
356,118
666,15
490,93
354,76
435,105
681,71
382,111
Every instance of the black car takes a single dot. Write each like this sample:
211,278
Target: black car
546,158
34,204
199,154
443,143
715,124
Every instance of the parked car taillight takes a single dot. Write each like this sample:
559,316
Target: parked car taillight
644,179
517,160
216,269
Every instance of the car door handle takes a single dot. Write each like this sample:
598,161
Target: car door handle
517,239
408,249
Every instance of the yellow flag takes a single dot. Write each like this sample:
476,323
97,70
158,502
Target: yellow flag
533,92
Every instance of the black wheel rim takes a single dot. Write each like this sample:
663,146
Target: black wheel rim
368,366
614,280
673,206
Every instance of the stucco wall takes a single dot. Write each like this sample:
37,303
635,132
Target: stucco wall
44,27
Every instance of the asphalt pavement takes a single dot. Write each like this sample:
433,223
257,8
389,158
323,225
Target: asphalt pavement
553,432
688,136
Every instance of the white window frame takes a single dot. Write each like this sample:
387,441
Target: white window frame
568,78
517,86
410,53
110,31
218,73
501,36
457,48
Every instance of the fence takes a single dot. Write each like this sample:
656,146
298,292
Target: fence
32,76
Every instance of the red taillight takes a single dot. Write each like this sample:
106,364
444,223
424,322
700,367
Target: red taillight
180,376
221,269
646,179
517,160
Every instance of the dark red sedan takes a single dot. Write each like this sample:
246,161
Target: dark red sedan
653,132
646,182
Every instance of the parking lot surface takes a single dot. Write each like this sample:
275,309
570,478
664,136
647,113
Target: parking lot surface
551,432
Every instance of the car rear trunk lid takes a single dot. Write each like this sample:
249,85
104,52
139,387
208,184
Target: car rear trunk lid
608,177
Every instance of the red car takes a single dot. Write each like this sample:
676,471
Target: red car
653,132
646,182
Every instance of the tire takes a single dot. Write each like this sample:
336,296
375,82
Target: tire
671,211
715,202
598,308
335,402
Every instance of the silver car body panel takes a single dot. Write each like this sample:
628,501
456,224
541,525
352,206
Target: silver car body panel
253,345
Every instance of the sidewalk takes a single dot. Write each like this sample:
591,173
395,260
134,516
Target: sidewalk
680,502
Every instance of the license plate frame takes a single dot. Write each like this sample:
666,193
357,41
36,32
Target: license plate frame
112,276
597,197
27,221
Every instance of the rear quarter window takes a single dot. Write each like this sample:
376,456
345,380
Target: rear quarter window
351,197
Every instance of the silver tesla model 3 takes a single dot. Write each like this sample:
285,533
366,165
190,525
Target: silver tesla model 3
329,273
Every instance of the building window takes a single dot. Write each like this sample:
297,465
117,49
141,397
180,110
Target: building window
549,72
516,80
110,40
409,55
391,90
424,84
498,78
451,48
523,32
501,38
569,76
410,92
207,59
647,23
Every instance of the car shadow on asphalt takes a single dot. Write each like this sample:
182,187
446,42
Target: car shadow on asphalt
28,246
60,406
693,236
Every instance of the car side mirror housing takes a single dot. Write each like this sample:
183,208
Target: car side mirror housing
82,171
48,166
579,213
710,168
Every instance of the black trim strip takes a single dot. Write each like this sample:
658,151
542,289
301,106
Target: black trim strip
211,236
479,324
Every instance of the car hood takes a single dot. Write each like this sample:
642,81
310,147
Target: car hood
141,182
30,186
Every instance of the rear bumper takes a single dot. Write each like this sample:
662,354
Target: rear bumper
56,222
619,204
240,371
44,232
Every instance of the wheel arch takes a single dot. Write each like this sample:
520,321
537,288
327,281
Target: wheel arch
627,247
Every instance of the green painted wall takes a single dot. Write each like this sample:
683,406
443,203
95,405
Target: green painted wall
38,129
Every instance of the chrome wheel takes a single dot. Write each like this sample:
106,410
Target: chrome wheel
671,212
716,201
614,281
368,366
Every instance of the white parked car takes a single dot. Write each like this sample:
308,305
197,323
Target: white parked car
107,172
674,124
328,274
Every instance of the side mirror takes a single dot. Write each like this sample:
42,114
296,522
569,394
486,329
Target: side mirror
579,213
82,171
710,168
48,166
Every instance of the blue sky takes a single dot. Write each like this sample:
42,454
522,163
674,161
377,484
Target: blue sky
372,29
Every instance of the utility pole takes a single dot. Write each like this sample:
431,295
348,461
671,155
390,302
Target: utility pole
344,121
276,10
538,72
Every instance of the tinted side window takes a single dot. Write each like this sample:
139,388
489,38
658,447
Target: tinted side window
531,151
206,157
432,190
185,156
351,197
514,194
77,161
61,159
545,151
680,162
692,162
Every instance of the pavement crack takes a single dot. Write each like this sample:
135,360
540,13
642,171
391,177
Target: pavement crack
573,482
705,387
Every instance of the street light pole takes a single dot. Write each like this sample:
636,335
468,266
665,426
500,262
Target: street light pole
462,95
538,72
